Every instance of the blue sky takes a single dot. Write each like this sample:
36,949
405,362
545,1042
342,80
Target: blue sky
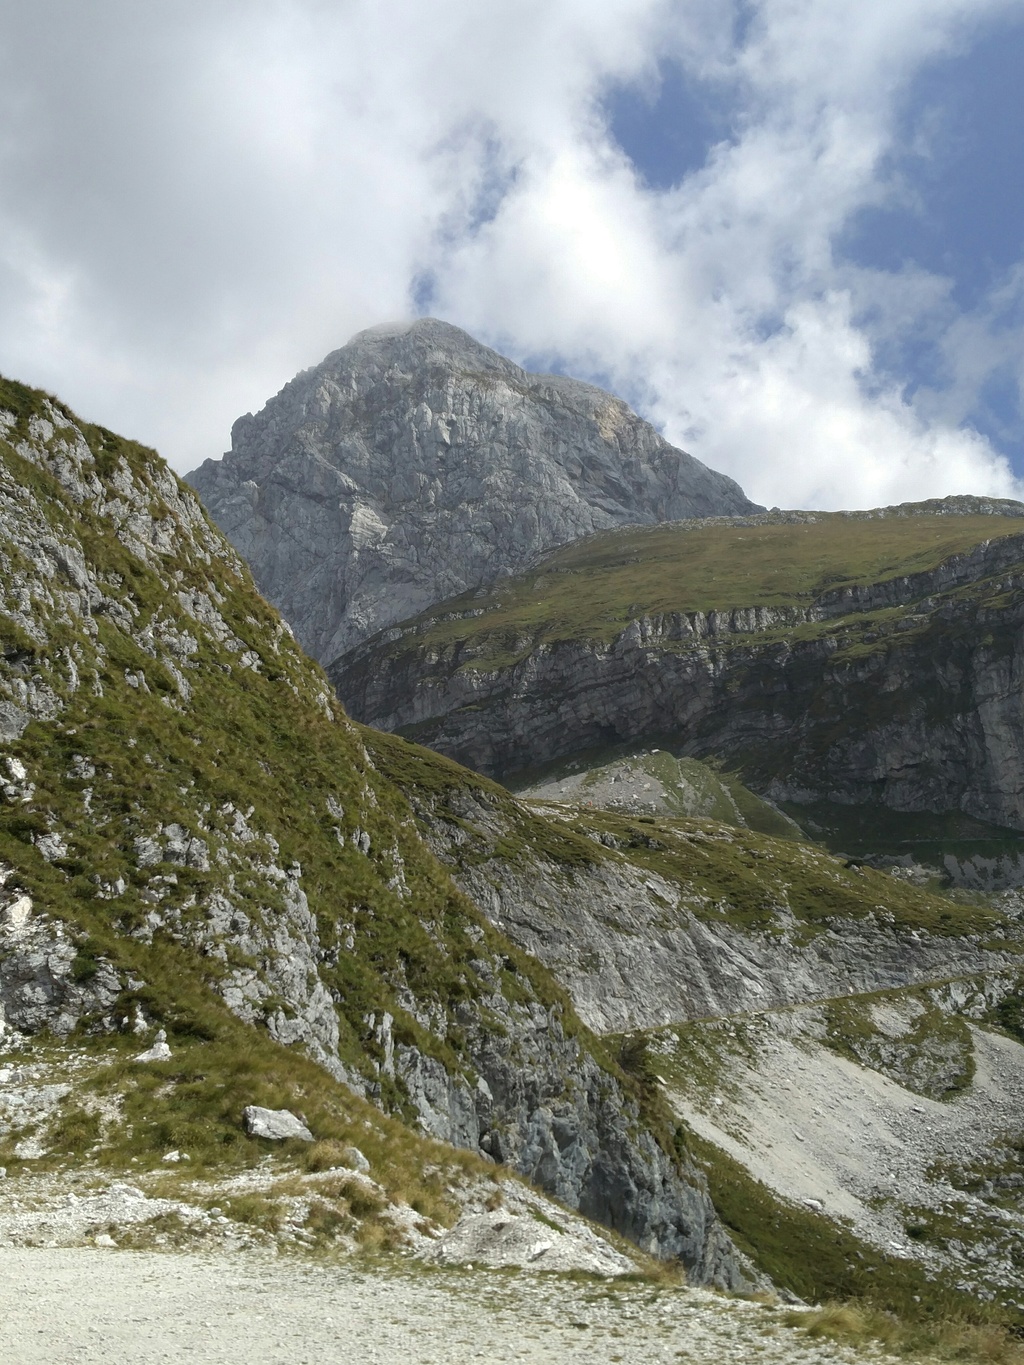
789,232
956,210
959,160
668,123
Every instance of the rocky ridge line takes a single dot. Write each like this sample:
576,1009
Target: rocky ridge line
639,948
749,684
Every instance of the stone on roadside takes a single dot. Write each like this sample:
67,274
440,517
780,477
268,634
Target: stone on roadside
502,1239
275,1124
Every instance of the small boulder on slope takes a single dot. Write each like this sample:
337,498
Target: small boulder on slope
159,1052
276,1124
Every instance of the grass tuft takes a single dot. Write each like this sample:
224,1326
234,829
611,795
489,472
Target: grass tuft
951,1339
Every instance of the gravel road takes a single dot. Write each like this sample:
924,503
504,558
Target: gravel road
76,1306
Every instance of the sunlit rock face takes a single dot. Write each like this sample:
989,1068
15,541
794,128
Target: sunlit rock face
414,464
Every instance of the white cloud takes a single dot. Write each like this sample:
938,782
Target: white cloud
978,348
197,200
797,400
729,315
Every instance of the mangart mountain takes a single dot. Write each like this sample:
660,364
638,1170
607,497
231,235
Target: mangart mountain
415,463
736,972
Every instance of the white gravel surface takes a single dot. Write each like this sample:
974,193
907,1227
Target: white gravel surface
65,1306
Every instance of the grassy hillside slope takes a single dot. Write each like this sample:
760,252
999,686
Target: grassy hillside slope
192,836
592,589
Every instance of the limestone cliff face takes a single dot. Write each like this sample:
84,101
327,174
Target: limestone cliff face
414,463
907,693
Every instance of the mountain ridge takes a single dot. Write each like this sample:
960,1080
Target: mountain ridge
883,673
193,837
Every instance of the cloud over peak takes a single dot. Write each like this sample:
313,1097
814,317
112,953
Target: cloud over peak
199,200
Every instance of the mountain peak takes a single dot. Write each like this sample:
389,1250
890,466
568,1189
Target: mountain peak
414,463
416,328
416,342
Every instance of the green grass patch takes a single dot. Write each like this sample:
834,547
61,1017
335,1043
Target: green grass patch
446,788
742,878
955,1338
592,589
923,1048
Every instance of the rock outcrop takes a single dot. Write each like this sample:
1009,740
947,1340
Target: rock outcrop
649,922
906,693
503,1239
415,463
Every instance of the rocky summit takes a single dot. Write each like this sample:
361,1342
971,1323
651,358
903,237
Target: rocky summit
414,463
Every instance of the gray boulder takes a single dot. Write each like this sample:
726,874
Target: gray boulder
414,464
159,1052
275,1124
355,1160
502,1239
